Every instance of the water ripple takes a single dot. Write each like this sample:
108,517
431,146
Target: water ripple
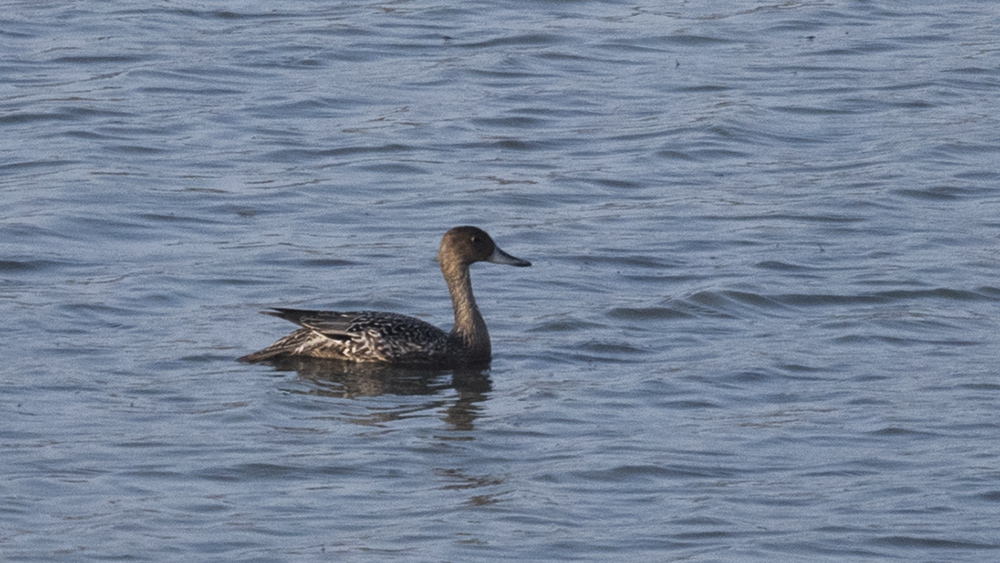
761,322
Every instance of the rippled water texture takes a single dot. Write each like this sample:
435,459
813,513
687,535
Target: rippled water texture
761,323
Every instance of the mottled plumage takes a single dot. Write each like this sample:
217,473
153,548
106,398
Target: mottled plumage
364,336
391,338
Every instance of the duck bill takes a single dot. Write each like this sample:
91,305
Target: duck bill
501,257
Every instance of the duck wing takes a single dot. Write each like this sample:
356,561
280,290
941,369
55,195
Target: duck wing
332,324
360,336
338,325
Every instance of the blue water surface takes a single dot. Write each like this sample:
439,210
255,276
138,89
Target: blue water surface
761,322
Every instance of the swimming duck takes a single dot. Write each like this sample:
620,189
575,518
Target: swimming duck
391,338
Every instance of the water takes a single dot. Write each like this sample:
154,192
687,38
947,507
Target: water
761,322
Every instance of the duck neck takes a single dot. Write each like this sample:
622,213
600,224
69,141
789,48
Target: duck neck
470,328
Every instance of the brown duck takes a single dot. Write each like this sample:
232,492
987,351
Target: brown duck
391,338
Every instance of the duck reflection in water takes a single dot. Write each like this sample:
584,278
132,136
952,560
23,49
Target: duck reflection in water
350,380
330,378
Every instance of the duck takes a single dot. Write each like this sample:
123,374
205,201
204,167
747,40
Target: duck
395,339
